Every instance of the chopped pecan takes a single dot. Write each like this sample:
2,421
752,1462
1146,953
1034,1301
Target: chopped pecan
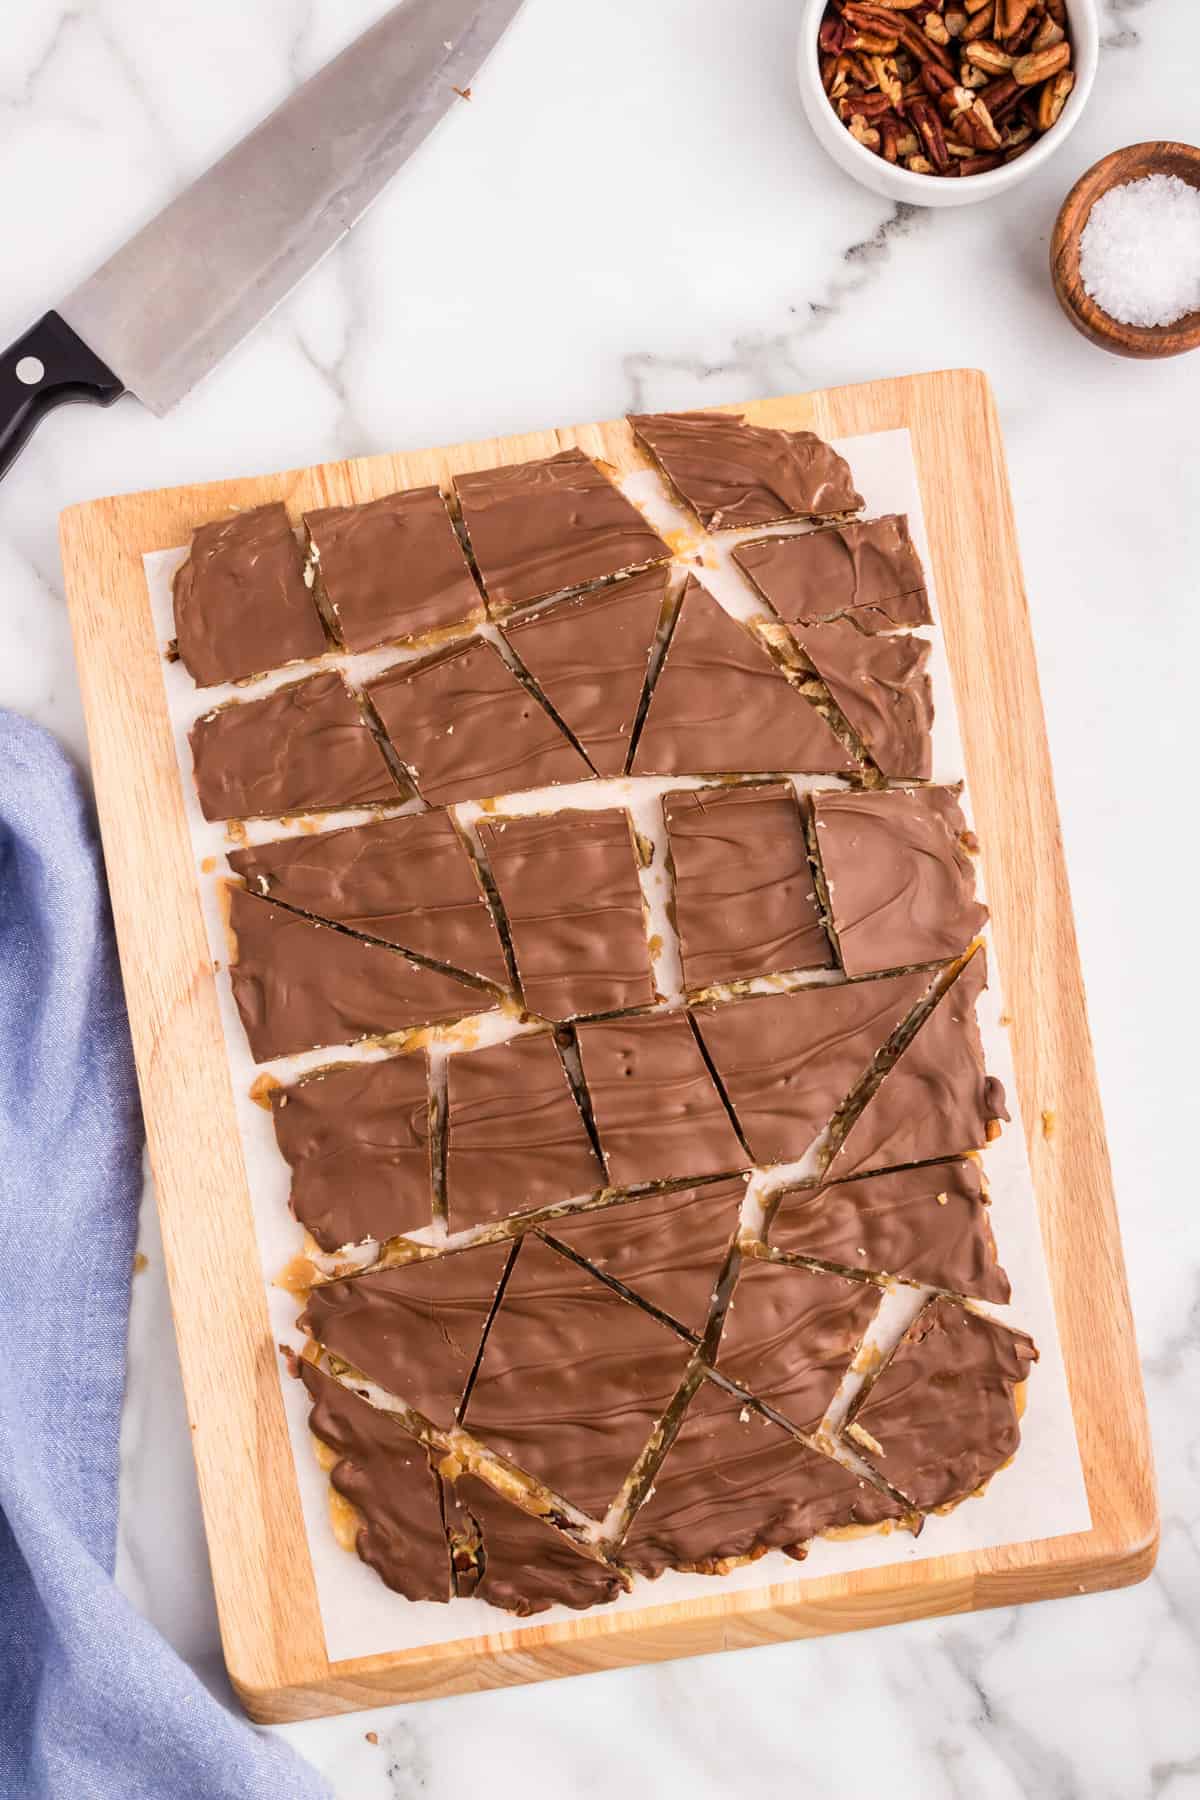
929,129
1011,16
981,24
1053,98
985,53
984,126
980,165
890,132
1040,65
955,21
1001,97
934,27
1048,33
919,165
833,34
862,132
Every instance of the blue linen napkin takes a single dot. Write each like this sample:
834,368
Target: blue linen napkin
93,1704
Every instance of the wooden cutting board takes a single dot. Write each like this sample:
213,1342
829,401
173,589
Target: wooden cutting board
266,1596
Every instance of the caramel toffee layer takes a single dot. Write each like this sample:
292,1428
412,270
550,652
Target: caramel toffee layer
518,1562
868,568
241,602
731,473
790,1335
880,686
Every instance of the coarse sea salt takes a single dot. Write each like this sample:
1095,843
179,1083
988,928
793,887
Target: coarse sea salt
1139,254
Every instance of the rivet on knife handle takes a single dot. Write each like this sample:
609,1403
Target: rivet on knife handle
46,367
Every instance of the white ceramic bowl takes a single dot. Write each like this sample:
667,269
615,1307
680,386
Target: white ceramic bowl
940,190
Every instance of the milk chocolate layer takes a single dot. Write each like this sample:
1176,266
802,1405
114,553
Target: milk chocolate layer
356,1139
721,706
901,887
568,884
927,1225
515,1137
573,1378
745,903
415,1330
868,568
409,881
538,528
881,686
241,603
658,1114
734,1484
941,1412
590,657
386,1475
731,473
467,727
519,1563
790,1335
788,1061
300,985
304,748
393,569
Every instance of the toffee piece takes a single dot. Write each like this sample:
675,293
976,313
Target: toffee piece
940,1417
731,473
392,570
304,748
468,728
901,886
516,1561
720,705
569,887
745,900
868,569
538,528
791,1334
881,686
242,605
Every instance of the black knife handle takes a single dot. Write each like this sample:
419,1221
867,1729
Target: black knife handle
48,365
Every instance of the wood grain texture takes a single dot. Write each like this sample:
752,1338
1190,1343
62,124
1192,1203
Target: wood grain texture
265,1592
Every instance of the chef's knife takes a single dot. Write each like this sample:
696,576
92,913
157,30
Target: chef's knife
155,318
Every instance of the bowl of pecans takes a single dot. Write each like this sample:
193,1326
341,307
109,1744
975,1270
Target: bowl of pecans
912,97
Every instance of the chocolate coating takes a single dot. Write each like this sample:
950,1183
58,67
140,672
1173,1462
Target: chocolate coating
731,473
928,1225
881,686
386,1475
941,1410
522,1564
414,1330
791,1333
569,887
721,706
868,568
467,727
573,1378
590,658
304,748
537,528
745,903
241,603
409,881
393,569
657,1112
788,1061
515,1137
901,886
299,985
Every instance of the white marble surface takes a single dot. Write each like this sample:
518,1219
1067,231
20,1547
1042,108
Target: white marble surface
631,210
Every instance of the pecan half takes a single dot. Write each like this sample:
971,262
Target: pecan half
1053,98
986,54
1040,65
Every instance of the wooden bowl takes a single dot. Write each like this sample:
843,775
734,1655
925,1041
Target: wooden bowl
1086,316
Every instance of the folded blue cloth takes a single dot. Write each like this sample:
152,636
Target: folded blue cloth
93,1704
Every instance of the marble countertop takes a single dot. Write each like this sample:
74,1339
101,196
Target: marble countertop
631,212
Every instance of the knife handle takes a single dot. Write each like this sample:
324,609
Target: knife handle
47,366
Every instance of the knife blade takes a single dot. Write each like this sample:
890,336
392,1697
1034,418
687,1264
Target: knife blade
187,288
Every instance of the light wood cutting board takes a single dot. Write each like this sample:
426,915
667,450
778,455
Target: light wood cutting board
266,1597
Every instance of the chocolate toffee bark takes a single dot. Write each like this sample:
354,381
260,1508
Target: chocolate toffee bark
573,1378
518,1562
734,1485
940,1417
720,705
881,687
745,902
304,748
928,1225
409,881
392,570
515,1137
415,1330
241,602
300,985
731,473
468,728
668,1249
936,1099
788,1061
569,887
538,528
657,1112
356,1139
791,1334
900,884
385,1474
868,569
590,657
